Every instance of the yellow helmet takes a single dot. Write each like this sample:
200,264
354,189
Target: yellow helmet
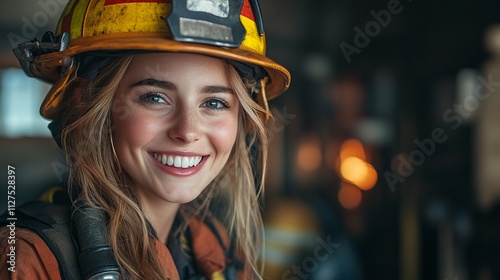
229,29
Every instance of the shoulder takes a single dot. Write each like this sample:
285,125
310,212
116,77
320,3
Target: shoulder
213,227
26,256
28,243
214,251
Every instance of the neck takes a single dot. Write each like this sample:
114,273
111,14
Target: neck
160,214
162,223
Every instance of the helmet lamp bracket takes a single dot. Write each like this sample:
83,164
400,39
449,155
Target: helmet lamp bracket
207,22
28,50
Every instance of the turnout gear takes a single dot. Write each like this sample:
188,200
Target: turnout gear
203,248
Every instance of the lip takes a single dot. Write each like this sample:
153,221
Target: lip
177,153
181,172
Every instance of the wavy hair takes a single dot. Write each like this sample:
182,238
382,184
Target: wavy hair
95,174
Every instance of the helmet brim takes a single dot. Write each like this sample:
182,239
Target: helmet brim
47,67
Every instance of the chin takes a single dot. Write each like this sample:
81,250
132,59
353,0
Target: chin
182,198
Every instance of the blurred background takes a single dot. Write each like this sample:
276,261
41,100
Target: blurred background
385,152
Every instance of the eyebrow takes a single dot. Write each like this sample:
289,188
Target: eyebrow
155,83
217,89
171,86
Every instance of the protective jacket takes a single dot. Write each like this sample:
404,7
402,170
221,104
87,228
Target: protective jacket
43,247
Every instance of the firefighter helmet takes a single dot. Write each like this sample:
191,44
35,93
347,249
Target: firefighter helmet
228,29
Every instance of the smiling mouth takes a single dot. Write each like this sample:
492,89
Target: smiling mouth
177,161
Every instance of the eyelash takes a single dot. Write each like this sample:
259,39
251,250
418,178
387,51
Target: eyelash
146,98
225,105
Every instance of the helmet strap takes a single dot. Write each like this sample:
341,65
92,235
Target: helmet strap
54,98
262,98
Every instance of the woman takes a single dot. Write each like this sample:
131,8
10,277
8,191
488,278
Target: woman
162,121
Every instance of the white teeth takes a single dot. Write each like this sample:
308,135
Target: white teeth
178,161
185,162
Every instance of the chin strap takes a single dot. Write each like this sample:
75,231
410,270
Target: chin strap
50,104
262,98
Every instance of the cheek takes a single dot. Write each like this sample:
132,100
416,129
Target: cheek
223,134
134,131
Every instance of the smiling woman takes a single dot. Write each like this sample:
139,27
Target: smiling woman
165,138
179,133
175,144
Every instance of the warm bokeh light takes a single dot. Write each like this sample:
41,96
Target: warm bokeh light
352,148
349,196
369,180
358,172
309,154
353,169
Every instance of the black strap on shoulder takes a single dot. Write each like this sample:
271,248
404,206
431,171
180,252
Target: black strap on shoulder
184,260
52,223
233,264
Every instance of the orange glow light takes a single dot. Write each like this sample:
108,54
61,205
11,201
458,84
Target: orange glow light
352,148
358,172
309,155
353,169
369,180
349,196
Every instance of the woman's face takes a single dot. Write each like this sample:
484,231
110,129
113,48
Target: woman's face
175,121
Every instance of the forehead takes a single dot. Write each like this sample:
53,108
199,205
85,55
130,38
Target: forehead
174,65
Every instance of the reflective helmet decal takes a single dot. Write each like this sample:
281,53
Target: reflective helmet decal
211,22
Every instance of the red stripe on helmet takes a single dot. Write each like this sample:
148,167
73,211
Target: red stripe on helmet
246,10
66,21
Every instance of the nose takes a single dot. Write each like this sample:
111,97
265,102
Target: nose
185,127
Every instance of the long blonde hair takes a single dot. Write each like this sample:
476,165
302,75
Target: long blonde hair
95,175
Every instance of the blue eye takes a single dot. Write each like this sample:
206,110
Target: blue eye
153,98
216,104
